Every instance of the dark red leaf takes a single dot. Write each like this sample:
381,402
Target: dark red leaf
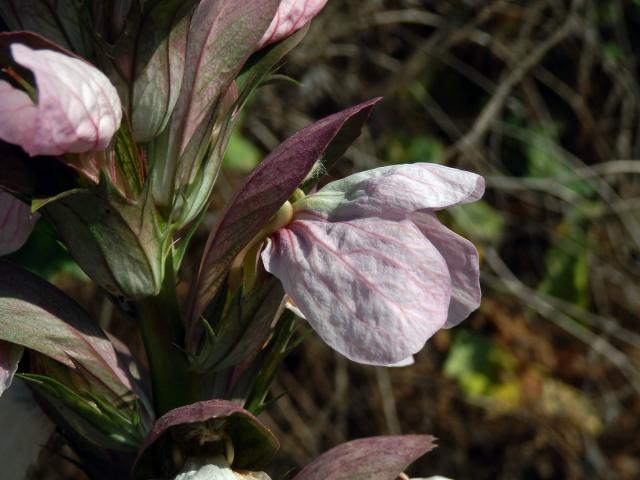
379,458
190,430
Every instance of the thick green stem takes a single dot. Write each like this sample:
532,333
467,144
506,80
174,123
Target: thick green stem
163,334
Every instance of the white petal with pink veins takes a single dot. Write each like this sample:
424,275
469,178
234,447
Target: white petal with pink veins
374,290
16,223
394,192
17,114
77,109
291,16
462,259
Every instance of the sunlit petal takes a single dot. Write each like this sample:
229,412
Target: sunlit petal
374,290
462,259
77,109
291,16
394,192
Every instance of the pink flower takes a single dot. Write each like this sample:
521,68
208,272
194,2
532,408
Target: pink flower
290,17
369,265
16,223
77,109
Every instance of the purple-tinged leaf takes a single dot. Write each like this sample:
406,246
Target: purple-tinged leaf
10,356
374,290
77,109
159,66
375,458
187,155
291,16
265,190
38,316
189,429
16,223
222,35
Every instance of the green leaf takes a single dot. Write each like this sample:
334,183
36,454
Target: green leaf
256,380
43,244
128,161
567,271
241,155
243,329
118,243
477,363
543,163
96,420
412,149
479,220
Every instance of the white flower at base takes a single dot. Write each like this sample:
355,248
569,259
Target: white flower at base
215,468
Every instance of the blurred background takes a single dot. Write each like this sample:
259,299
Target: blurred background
542,97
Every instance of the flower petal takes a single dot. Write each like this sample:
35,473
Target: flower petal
10,355
16,223
374,290
17,115
407,362
393,192
78,109
291,16
462,259
215,468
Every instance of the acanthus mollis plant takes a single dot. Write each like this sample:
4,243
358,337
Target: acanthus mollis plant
114,119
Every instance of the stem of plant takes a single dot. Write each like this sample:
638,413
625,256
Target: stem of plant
174,383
